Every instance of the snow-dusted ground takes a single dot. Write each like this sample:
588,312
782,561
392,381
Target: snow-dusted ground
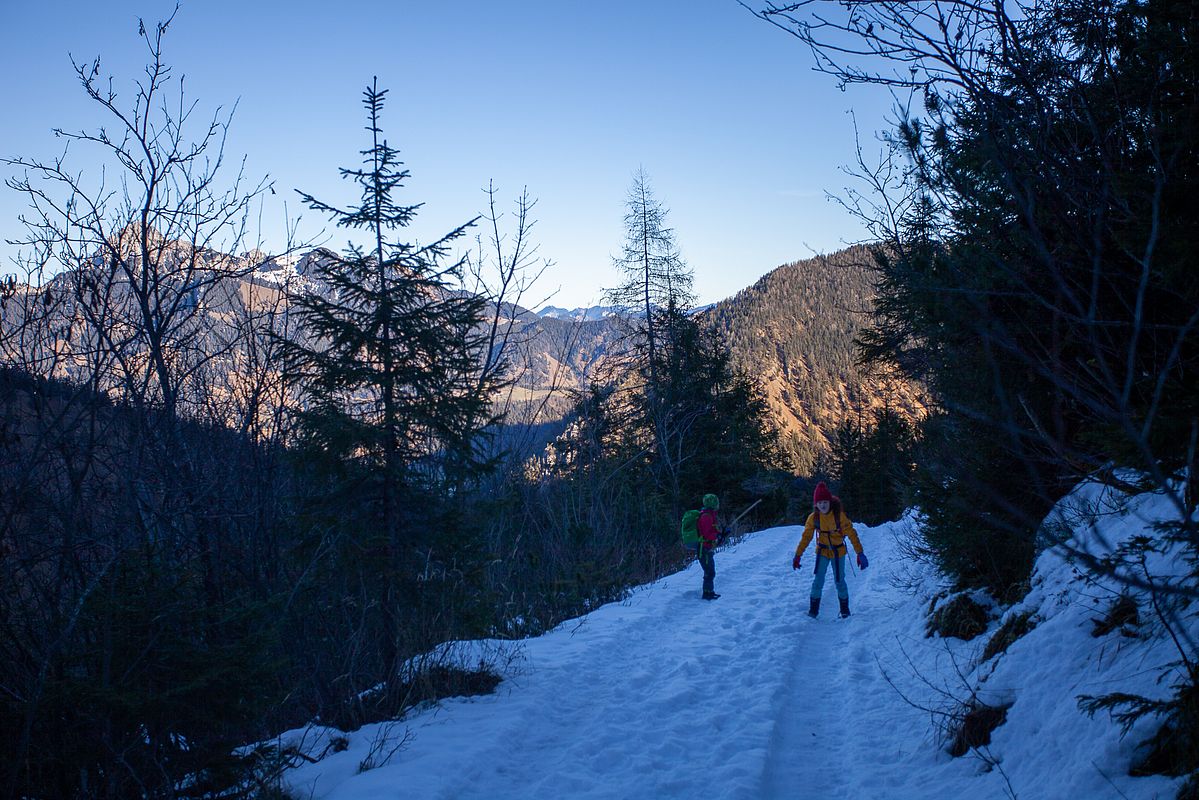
668,696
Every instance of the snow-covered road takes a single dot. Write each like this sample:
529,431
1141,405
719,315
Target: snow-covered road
664,695
669,696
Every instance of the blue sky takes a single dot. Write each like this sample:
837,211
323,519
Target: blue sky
740,137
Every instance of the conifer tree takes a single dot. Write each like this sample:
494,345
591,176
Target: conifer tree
871,457
655,276
716,416
1039,270
390,368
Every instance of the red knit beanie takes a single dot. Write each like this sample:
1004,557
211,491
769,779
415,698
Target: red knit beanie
822,493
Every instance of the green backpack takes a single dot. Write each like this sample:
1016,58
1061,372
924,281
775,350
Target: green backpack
689,530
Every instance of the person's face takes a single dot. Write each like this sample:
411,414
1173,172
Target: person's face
823,506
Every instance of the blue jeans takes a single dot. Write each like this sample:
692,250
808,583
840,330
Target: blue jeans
822,563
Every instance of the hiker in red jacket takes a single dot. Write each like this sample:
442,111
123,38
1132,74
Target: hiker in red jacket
709,536
833,526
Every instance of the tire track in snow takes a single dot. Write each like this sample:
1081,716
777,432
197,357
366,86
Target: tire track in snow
805,757
838,712
687,691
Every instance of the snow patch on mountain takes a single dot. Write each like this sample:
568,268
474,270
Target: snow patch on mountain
588,314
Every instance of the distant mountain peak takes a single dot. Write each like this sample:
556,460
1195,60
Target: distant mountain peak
587,314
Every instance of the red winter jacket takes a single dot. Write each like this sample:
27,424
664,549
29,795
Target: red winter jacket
708,531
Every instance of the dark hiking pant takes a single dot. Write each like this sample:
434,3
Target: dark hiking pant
707,560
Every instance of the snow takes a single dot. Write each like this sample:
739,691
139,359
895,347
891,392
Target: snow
588,314
665,695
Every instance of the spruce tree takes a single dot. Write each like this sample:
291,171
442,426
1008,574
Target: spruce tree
1038,272
871,457
389,365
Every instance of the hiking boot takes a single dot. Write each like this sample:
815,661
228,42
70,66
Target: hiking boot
710,595
845,607
814,607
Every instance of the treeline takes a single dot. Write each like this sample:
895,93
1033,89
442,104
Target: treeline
229,509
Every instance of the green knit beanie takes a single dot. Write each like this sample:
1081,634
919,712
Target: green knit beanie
711,501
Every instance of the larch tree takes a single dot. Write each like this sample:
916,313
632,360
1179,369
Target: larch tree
656,278
657,290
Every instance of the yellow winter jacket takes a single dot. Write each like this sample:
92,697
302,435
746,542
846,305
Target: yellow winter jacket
831,540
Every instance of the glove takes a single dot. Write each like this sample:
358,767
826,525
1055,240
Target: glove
795,563
863,562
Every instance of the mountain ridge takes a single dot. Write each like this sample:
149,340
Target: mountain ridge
792,330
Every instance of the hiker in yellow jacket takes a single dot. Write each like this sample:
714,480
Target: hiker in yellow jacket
831,527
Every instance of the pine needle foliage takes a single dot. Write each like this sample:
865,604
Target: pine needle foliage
391,360
390,369
1038,275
